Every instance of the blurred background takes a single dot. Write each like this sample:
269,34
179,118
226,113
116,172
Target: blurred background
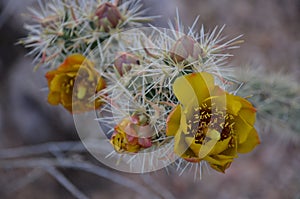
272,40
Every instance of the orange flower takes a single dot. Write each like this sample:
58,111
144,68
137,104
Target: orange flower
88,82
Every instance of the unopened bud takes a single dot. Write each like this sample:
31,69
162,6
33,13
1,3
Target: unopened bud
125,61
131,137
108,16
185,49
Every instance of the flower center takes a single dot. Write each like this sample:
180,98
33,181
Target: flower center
210,117
68,85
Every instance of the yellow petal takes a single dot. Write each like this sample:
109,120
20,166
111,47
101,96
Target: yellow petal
50,75
71,74
81,92
219,163
220,160
54,98
247,111
180,147
202,150
213,134
101,84
217,103
198,86
231,151
173,121
248,114
250,143
92,73
57,82
68,107
242,129
233,104
217,91
220,168
221,146
66,99
183,121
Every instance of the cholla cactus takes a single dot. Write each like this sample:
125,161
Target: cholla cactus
142,80
60,28
276,96
160,93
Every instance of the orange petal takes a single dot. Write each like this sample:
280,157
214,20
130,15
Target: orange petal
101,84
54,98
66,99
70,61
57,81
50,75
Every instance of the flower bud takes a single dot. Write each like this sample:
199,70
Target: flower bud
124,62
186,49
132,135
108,16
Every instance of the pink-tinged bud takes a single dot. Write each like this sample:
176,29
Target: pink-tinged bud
186,49
192,159
125,61
145,142
135,119
140,119
108,16
131,136
132,139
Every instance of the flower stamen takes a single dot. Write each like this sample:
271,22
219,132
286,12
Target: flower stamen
209,117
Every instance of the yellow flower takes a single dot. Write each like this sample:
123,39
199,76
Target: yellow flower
210,124
88,82
131,135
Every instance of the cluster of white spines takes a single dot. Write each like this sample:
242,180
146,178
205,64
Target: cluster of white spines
65,27
147,87
60,28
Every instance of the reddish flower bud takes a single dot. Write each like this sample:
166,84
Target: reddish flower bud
108,16
132,135
186,49
124,62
